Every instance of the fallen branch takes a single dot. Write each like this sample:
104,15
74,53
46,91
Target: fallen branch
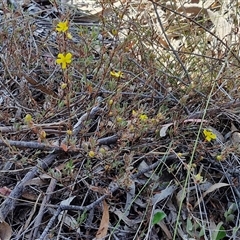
33,145
45,147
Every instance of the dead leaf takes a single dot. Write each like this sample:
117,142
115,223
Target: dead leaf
223,28
39,86
64,147
129,222
36,182
215,187
233,128
164,193
235,137
103,228
5,191
163,130
195,120
29,195
67,219
182,193
5,231
142,166
130,197
98,189
211,189
193,9
164,227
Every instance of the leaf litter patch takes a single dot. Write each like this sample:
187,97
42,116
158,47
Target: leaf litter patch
128,144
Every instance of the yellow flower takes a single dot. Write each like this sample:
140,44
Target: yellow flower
69,132
28,118
118,74
69,36
198,178
63,85
179,154
209,135
134,113
102,150
91,154
64,59
219,157
114,32
62,26
143,117
42,134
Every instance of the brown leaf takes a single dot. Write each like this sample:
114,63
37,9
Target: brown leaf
64,147
103,228
5,231
5,191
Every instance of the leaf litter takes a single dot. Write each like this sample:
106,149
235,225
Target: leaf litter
170,56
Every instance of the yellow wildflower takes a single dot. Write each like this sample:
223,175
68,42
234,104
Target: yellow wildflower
64,59
63,85
118,74
179,154
42,134
143,117
134,113
119,120
28,118
114,32
219,157
209,135
198,178
91,154
69,36
62,26
69,132
190,167
102,150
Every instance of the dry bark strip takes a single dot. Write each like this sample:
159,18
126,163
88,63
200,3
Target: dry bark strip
42,146
223,108
32,145
46,200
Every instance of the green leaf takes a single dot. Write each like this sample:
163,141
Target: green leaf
230,218
219,233
189,225
158,216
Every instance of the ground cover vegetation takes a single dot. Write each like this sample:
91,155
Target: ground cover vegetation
119,120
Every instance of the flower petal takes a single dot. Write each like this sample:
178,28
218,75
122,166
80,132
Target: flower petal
60,55
59,61
62,26
68,58
64,65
